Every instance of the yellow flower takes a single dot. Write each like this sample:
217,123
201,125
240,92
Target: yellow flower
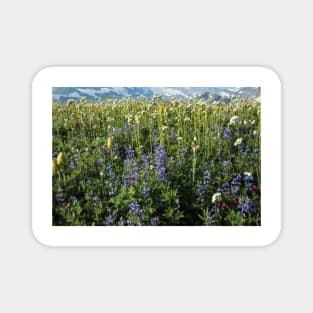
60,159
110,143
54,167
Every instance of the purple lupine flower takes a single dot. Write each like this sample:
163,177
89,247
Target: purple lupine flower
76,156
154,221
227,133
59,197
95,199
73,199
225,163
131,173
104,153
109,220
109,170
146,190
146,164
130,153
72,165
248,180
225,188
113,192
160,162
235,184
115,148
134,208
200,192
206,176
244,152
246,206
202,188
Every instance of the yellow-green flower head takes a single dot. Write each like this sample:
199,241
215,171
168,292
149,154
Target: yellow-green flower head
110,143
54,167
60,159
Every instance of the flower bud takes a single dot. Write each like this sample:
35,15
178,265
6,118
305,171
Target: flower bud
60,159
54,167
110,143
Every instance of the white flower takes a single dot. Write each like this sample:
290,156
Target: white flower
234,120
129,118
179,138
254,132
238,142
252,122
216,196
247,174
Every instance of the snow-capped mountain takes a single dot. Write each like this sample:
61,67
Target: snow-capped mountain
63,94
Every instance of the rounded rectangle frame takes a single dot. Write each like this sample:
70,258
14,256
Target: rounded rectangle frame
50,235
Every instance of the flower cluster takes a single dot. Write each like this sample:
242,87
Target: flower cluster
160,162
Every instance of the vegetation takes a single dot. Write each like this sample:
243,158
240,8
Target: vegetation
156,162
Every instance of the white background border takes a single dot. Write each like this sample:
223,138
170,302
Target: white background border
144,77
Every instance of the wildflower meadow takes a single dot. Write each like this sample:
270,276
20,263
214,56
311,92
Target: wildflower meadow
156,162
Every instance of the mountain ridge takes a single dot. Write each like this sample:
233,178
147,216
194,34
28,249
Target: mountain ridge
63,94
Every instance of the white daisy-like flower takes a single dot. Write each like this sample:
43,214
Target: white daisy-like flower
238,142
234,120
247,174
216,196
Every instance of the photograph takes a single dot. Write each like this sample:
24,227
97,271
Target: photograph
156,156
